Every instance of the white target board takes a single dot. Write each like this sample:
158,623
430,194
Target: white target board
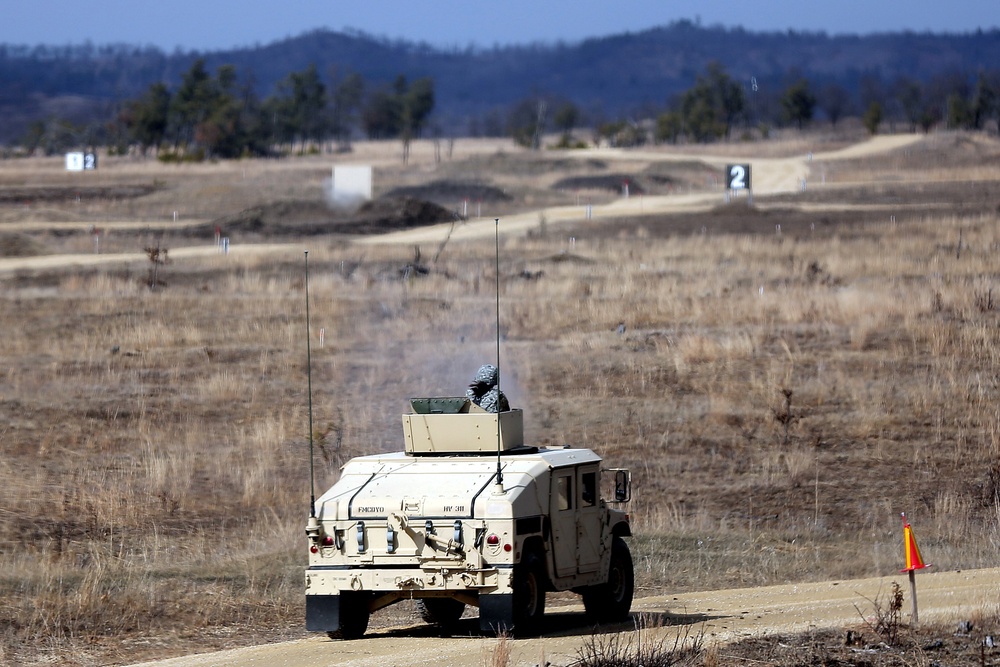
81,161
352,183
737,177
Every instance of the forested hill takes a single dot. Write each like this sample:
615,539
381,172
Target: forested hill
607,75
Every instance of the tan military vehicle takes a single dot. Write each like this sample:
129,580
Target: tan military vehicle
468,515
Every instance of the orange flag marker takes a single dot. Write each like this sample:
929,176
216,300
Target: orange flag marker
914,562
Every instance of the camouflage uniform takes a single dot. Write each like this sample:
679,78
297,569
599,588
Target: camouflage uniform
484,391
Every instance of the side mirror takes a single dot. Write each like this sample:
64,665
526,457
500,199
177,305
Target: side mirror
623,486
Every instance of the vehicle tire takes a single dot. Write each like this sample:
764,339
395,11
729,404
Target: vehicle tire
354,615
611,601
442,612
529,595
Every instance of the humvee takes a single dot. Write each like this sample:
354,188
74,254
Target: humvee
468,514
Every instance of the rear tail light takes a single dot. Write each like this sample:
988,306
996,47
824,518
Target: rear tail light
493,539
327,541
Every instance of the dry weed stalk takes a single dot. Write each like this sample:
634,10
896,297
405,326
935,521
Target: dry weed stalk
500,654
157,257
785,416
885,619
638,650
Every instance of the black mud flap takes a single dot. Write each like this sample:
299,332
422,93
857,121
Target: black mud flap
322,613
496,614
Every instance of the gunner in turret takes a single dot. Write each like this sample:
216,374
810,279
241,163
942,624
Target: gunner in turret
484,391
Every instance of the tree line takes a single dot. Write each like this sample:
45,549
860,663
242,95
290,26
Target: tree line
218,116
215,115
717,105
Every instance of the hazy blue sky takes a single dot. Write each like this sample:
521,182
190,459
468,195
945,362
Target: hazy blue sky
212,24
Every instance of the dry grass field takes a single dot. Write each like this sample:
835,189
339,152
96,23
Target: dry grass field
791,376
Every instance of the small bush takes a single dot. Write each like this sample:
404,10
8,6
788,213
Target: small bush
886,613
638,650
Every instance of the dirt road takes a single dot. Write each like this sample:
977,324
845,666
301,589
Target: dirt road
724,615
59,261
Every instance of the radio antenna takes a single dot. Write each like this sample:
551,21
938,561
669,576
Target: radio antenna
499,394
312,476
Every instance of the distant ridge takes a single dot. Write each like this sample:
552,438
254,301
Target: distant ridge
604,75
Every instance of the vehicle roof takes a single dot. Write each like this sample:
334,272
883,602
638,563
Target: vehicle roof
553,457
445,485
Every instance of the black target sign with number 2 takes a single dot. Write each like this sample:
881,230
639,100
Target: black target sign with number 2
737,177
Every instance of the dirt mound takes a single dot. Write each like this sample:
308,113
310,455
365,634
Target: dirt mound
19,245
672,173
449,192
612,182
564,164
393,213
309,217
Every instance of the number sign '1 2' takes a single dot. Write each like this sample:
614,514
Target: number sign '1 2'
737,177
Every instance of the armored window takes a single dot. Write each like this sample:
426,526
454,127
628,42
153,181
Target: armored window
588,489
564,492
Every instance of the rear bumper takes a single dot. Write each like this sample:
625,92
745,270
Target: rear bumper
326,581
496,613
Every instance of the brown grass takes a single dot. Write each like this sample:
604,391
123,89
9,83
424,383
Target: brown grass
969,639
154,477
